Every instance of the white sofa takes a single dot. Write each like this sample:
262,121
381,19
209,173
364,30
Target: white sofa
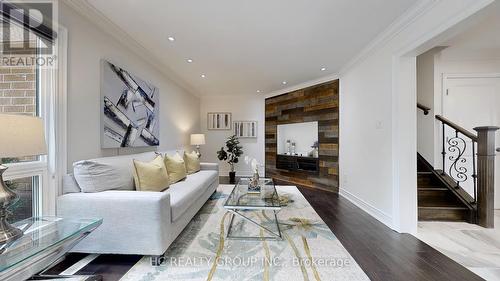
134,222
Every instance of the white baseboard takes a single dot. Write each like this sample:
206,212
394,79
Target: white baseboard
378,214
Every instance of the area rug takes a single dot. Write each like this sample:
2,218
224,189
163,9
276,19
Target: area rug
308,251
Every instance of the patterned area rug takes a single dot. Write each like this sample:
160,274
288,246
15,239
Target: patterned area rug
309,250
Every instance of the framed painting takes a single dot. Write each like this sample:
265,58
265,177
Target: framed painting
130,109
219,121
245,129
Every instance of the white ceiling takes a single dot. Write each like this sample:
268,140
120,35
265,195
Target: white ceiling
479,39
245,46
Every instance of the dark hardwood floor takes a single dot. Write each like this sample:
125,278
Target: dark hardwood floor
382,253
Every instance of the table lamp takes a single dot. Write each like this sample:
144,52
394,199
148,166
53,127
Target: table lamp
198,139
21,136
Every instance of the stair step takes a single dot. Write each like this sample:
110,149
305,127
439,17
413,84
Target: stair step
428,179
443,214
445,201
431,195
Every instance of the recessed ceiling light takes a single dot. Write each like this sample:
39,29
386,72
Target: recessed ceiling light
258,91
189,60
203,76
171,39
323,68
284,82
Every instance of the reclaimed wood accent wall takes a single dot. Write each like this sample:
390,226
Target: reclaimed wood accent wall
317,103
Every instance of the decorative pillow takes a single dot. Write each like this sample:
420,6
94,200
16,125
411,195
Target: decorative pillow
108,173
192,162
151,176
176,168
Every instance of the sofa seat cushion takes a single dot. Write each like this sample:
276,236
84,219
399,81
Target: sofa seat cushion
185,193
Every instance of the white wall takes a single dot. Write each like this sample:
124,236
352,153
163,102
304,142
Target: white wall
243,108
474,51
302,134
426,76
87,45
378,114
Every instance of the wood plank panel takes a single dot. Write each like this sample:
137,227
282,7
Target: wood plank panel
317,103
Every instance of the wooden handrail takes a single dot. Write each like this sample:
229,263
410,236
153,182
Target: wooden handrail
424,108
463,131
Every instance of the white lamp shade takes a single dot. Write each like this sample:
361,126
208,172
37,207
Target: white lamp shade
197,139
21,135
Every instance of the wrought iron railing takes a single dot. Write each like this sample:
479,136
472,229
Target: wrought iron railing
469,165
459,160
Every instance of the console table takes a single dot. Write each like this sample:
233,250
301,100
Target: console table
45,241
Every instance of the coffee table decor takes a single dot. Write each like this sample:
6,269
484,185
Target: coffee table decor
254,185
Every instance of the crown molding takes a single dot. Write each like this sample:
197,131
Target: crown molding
413,13
396,27
84,8
303,85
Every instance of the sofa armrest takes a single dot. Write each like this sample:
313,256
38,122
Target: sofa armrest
209,166
144,217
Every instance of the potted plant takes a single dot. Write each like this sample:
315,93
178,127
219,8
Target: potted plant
231,154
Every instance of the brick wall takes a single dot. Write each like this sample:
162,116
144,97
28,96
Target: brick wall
18,96
17,90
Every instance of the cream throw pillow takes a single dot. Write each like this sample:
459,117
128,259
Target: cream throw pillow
192,162
151,176
176,168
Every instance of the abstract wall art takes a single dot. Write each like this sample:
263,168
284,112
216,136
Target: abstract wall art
130,109
245,129
219,121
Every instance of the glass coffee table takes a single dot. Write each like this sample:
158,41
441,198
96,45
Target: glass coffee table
241,203
45,241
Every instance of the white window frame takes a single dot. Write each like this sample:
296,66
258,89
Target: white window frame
53,109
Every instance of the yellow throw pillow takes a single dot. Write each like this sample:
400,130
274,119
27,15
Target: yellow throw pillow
192,162
176,168
151,176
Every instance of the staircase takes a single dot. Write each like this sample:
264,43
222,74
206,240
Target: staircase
436,200
441,193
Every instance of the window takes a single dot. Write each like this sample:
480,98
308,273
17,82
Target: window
28,204
21,93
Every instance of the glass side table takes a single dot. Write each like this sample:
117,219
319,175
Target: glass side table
45,241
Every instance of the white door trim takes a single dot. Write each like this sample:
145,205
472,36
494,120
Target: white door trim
470,75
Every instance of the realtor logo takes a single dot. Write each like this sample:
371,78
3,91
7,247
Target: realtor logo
27,27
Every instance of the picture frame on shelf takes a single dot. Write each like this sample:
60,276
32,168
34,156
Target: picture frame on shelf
219,121
245,129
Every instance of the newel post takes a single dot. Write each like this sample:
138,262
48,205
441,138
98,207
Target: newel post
486,175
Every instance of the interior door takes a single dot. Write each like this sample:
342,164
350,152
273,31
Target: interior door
472,101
